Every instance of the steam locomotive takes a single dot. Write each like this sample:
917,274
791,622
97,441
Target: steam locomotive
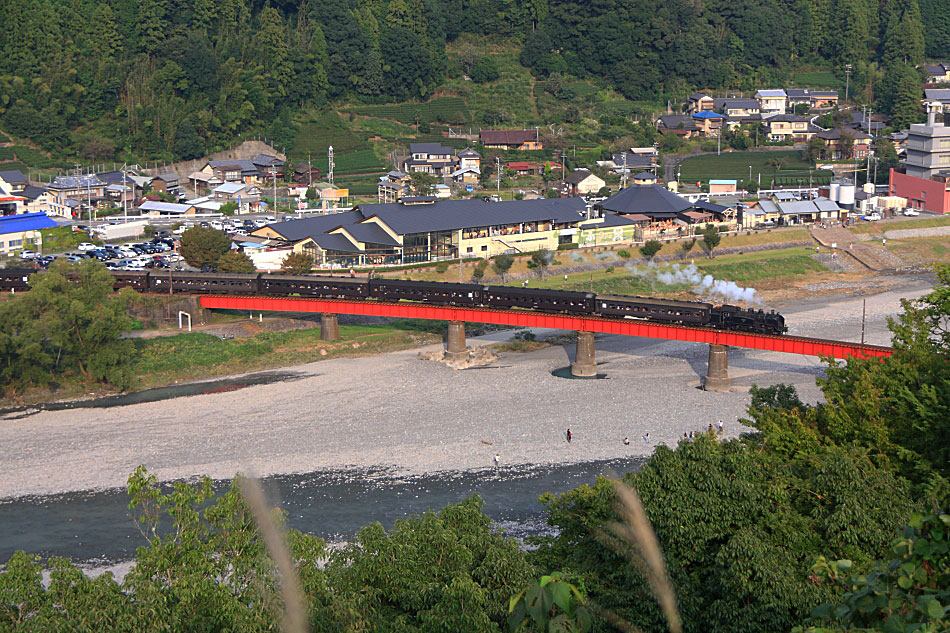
693,313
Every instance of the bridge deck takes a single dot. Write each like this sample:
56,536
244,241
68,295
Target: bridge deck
528,318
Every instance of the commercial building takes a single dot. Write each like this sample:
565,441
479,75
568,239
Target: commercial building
928,145
432,230
18,232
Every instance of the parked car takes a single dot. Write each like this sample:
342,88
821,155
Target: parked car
73,258
87,246
871,217
214,224
28,254
911,212
768,224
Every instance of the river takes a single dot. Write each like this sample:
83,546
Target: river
95,528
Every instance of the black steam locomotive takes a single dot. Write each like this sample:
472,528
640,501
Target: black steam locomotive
695,313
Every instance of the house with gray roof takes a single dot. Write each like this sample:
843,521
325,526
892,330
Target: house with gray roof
653,201
13,181
733,106
431,158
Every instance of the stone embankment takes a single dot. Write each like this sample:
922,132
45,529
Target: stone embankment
874,258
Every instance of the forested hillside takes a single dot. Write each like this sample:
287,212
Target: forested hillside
176,78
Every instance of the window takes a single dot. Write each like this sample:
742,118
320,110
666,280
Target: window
16,243
484,247
469,249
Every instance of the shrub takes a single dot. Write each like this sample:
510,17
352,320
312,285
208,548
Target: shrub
567,246
610,269
442,267
651,248
625,254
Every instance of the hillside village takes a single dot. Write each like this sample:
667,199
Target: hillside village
439,202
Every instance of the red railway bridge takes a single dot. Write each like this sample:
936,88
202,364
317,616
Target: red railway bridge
719,341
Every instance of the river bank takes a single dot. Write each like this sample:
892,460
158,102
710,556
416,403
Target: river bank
415,417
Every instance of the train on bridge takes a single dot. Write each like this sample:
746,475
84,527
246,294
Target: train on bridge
667,311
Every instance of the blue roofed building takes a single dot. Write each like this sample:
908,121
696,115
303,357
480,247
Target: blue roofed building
18,232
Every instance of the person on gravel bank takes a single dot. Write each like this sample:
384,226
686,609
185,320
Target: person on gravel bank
569,435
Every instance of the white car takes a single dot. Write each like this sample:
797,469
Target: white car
28,254
218,226
873,217
911,212
86,246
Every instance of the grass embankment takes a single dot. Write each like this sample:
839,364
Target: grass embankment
877,227
608,255
166,360
746,269
921,251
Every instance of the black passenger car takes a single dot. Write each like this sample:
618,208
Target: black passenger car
309,286
219,283
428,291
539,299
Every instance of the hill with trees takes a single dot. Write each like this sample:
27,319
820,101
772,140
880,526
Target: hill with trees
173,79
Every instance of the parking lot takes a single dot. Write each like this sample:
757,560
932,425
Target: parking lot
159,251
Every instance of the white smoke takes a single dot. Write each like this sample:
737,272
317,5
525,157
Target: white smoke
577,257
606,256
704,285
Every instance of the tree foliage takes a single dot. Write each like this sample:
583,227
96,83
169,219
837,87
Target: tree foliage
501,264
297,264
235,262
652,247
711,239
69,323
202,248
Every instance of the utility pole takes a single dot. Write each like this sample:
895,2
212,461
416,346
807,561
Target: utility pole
623,184
864,307
330,165
273,175
125,195
847,81
498,175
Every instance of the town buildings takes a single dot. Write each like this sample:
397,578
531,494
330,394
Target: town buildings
511,139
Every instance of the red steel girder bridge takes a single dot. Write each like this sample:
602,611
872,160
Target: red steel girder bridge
719,340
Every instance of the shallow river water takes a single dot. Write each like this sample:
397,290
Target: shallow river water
95,528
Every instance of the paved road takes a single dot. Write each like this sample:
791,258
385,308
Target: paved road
421,417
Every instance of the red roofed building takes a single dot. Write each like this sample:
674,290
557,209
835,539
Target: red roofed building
523,168
511,139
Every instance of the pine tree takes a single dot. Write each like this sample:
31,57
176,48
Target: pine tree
151,25
271,49
903,40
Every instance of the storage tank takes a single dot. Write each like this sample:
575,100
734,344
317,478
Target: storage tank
833,190
845,194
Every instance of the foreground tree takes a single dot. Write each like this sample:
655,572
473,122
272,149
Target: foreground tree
235,262
501,264
296,264
64,327
202,248
651,248
897,408
711,239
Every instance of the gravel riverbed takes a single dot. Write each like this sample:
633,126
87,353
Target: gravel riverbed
421,417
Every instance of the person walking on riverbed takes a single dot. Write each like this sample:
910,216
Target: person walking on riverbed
569,435
497,459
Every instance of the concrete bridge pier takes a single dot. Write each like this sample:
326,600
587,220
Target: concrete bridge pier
717,375
455,348
329,327
584,365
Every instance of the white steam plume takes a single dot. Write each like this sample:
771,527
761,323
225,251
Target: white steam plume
703,285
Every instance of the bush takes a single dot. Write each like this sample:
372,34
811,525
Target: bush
651,248
228,208
485,70
609,270
567,246
625,254
442,267
479,271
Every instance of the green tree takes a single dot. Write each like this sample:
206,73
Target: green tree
202,248
297,264
687,246
485,69
903,40
311,195
479,271
909,592
553,604
541,259
901,93
650,248
501,264
235,262
188,143
815,150
711,239
423,183
69,323
846,145
228,208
